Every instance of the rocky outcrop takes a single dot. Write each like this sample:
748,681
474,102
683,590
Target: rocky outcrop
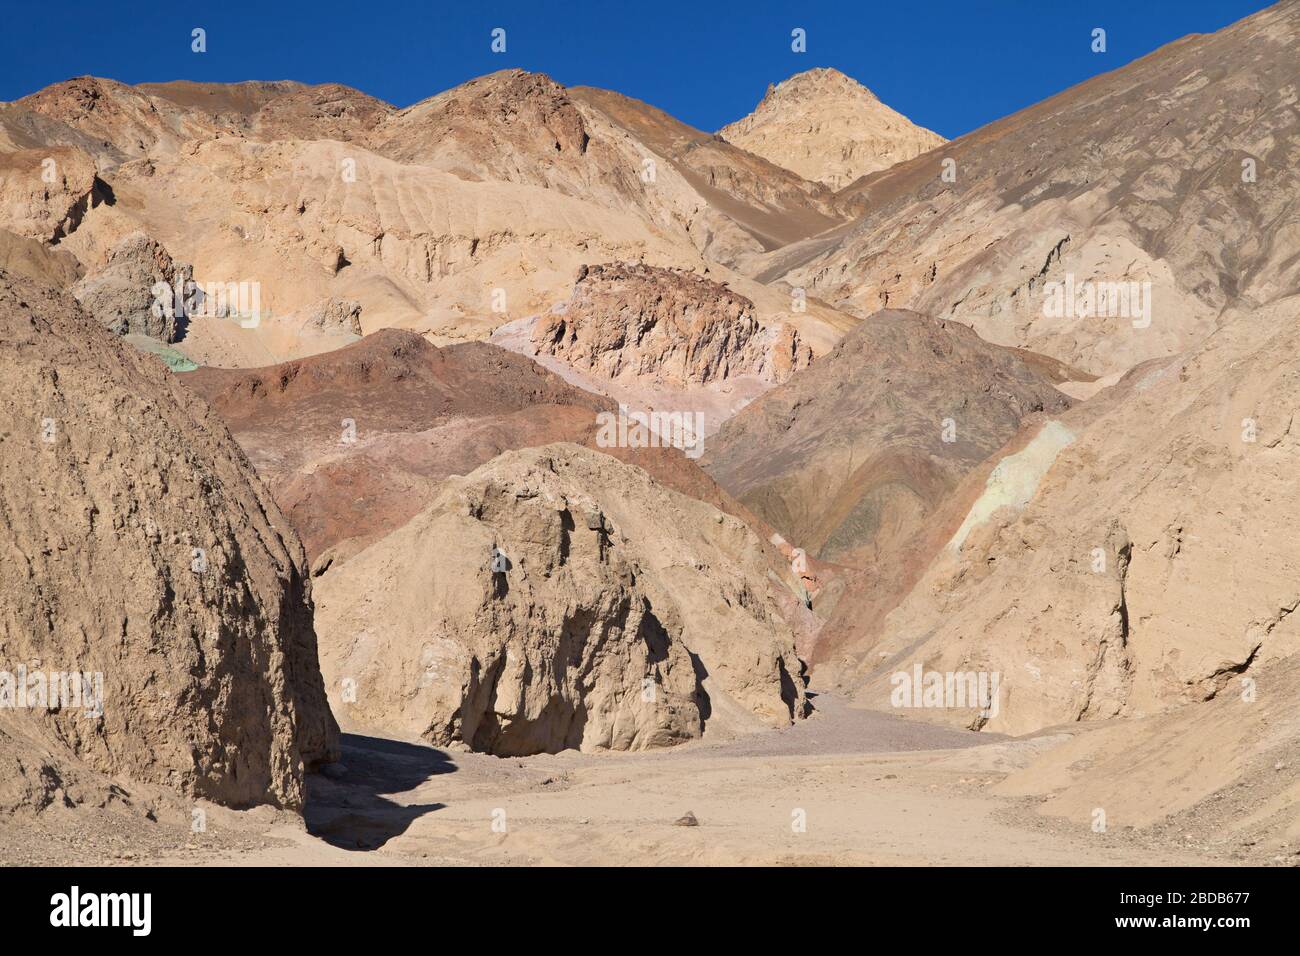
829,128
44,193
639,323
523,128
34,260
121,294
325,111
334,315
137,546
555,598
502,123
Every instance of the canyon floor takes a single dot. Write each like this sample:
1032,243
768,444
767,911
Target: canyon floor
874,788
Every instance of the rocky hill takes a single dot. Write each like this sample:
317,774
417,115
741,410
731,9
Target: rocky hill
848,455
659,327
1102,566
353,443
557,598
138,546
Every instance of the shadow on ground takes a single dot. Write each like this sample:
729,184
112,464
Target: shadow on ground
349,805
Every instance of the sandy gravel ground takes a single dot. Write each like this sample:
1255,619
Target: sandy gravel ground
868,788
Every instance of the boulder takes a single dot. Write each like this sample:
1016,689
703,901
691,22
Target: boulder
121,293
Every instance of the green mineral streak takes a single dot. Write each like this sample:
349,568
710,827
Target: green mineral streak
1015,478
172,358
176,361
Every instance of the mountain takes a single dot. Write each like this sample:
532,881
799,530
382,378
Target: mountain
828,128
1013,413
1126,557
1178,171
773,204
462,213
117,123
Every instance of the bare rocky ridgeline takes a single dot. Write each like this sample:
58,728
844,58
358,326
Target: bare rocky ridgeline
828,128
111,121
450,218
621,616
503,122
1200,203
117,123
766,201
664,328
139,545
519,127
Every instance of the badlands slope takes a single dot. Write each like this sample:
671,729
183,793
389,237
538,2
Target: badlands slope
353,442
468,210
1178,170
842,457
1151,564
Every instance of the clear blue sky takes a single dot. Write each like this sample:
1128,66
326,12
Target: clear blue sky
950,66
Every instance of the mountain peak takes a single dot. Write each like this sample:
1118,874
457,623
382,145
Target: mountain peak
828,127
821,80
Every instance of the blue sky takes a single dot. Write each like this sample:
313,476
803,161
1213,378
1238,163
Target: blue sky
951,67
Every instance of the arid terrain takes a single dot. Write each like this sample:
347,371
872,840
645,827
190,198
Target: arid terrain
527,477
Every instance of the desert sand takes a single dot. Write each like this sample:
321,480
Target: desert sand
874,789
